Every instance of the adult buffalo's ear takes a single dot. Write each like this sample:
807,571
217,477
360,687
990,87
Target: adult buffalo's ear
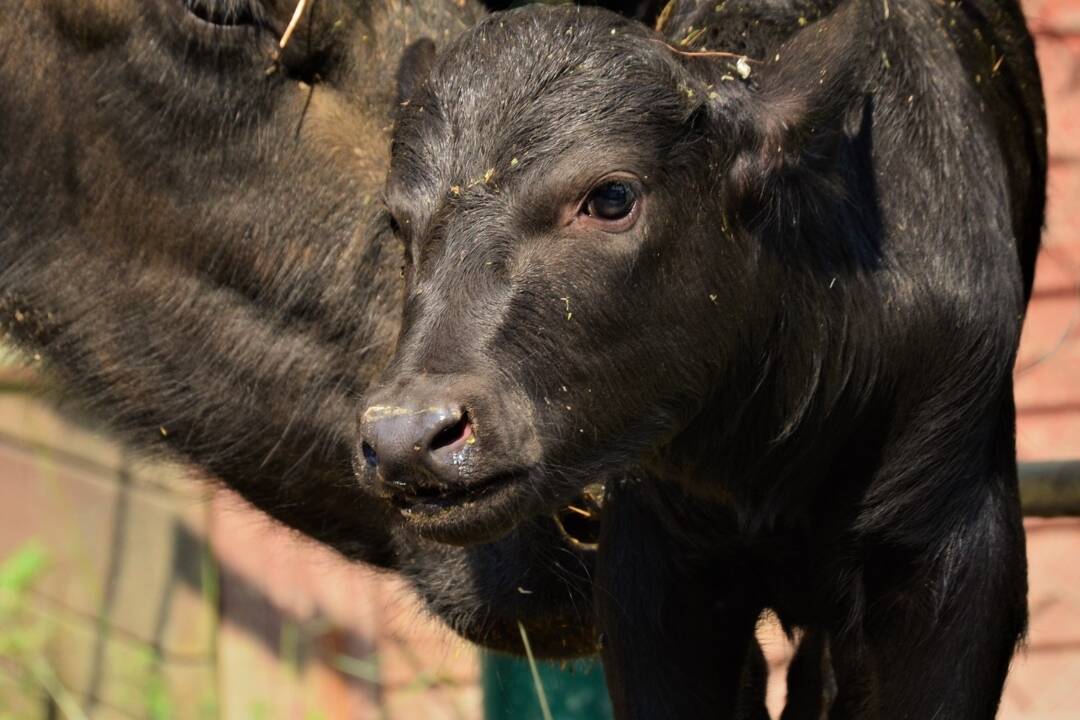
416,63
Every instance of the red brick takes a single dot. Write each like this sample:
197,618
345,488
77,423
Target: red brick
113,548
1058,17
291,609
1043,683
1062,234
446,703
411,644
1059,62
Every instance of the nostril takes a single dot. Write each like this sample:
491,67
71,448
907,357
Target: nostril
460,431
369,454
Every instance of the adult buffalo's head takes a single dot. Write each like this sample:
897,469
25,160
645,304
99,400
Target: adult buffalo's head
184,206
581,207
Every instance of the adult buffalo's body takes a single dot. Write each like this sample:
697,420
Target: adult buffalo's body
783,295
183,237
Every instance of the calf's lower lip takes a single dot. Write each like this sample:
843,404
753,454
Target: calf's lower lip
480,513
485,511
437,501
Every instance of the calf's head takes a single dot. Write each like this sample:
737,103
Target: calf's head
583,269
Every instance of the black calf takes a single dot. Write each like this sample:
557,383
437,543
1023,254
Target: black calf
781,294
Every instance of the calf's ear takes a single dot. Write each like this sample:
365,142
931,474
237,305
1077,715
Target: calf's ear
805,98
416,62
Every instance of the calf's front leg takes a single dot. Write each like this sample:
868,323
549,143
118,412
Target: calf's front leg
676,616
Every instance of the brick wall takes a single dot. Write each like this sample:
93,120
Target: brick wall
163,598
1048,370
124,603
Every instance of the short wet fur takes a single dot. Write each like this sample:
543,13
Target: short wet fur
799,359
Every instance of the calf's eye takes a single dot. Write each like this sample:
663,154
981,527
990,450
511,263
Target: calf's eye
611,201
613,205
224,13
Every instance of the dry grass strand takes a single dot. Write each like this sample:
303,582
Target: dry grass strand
298,13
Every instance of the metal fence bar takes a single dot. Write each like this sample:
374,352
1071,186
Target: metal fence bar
1050,489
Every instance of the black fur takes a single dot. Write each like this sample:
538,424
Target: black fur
797,359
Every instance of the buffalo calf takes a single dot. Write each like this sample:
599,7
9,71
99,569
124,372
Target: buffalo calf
773,300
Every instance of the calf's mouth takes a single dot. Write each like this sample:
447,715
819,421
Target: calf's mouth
479,512
431,500
462,462
579,520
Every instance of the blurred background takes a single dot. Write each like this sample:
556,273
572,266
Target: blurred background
134,590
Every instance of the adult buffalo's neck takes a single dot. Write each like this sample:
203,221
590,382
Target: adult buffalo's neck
193,254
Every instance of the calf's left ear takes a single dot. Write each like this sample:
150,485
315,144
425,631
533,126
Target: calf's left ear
415,65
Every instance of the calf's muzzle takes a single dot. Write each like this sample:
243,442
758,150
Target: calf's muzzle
414,445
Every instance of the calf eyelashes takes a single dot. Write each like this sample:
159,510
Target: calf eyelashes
224,13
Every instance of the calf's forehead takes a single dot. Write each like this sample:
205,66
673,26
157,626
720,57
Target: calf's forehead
523,89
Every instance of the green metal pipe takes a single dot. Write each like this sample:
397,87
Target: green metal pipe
1050,489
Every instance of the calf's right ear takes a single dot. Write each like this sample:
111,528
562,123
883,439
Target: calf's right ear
415,65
